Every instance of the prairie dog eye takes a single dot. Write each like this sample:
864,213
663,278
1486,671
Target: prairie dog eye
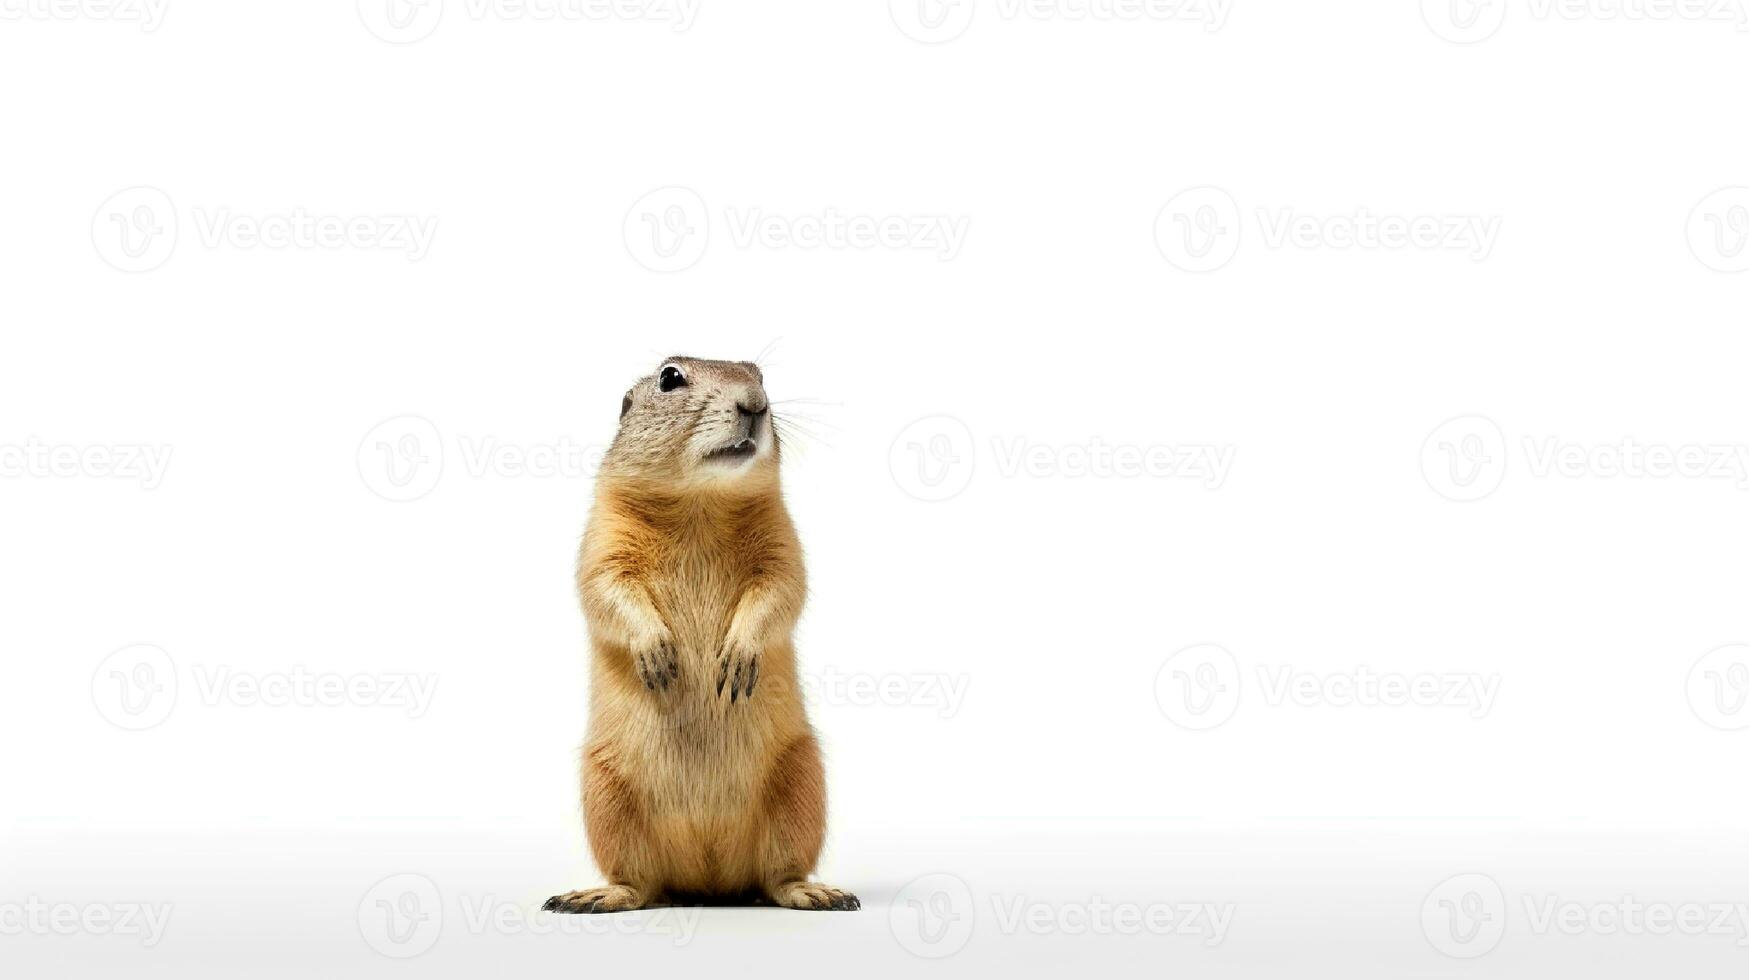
671,378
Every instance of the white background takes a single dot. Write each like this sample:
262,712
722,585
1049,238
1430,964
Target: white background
1353,534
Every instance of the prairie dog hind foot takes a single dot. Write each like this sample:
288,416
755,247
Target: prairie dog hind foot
811,896
612,898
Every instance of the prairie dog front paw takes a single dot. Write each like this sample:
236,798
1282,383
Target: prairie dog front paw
737,669
655,659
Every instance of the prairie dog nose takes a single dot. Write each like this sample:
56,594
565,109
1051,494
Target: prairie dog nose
752,405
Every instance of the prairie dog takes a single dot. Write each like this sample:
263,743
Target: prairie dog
701,777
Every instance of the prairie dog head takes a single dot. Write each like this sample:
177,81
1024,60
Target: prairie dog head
696,421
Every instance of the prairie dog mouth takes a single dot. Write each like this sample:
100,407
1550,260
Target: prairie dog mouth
734,452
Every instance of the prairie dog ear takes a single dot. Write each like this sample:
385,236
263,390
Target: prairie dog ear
625,404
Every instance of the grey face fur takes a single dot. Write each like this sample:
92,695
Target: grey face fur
713,421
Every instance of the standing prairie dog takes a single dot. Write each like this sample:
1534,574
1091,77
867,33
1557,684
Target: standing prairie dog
701,777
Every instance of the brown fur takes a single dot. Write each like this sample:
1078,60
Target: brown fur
701,776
